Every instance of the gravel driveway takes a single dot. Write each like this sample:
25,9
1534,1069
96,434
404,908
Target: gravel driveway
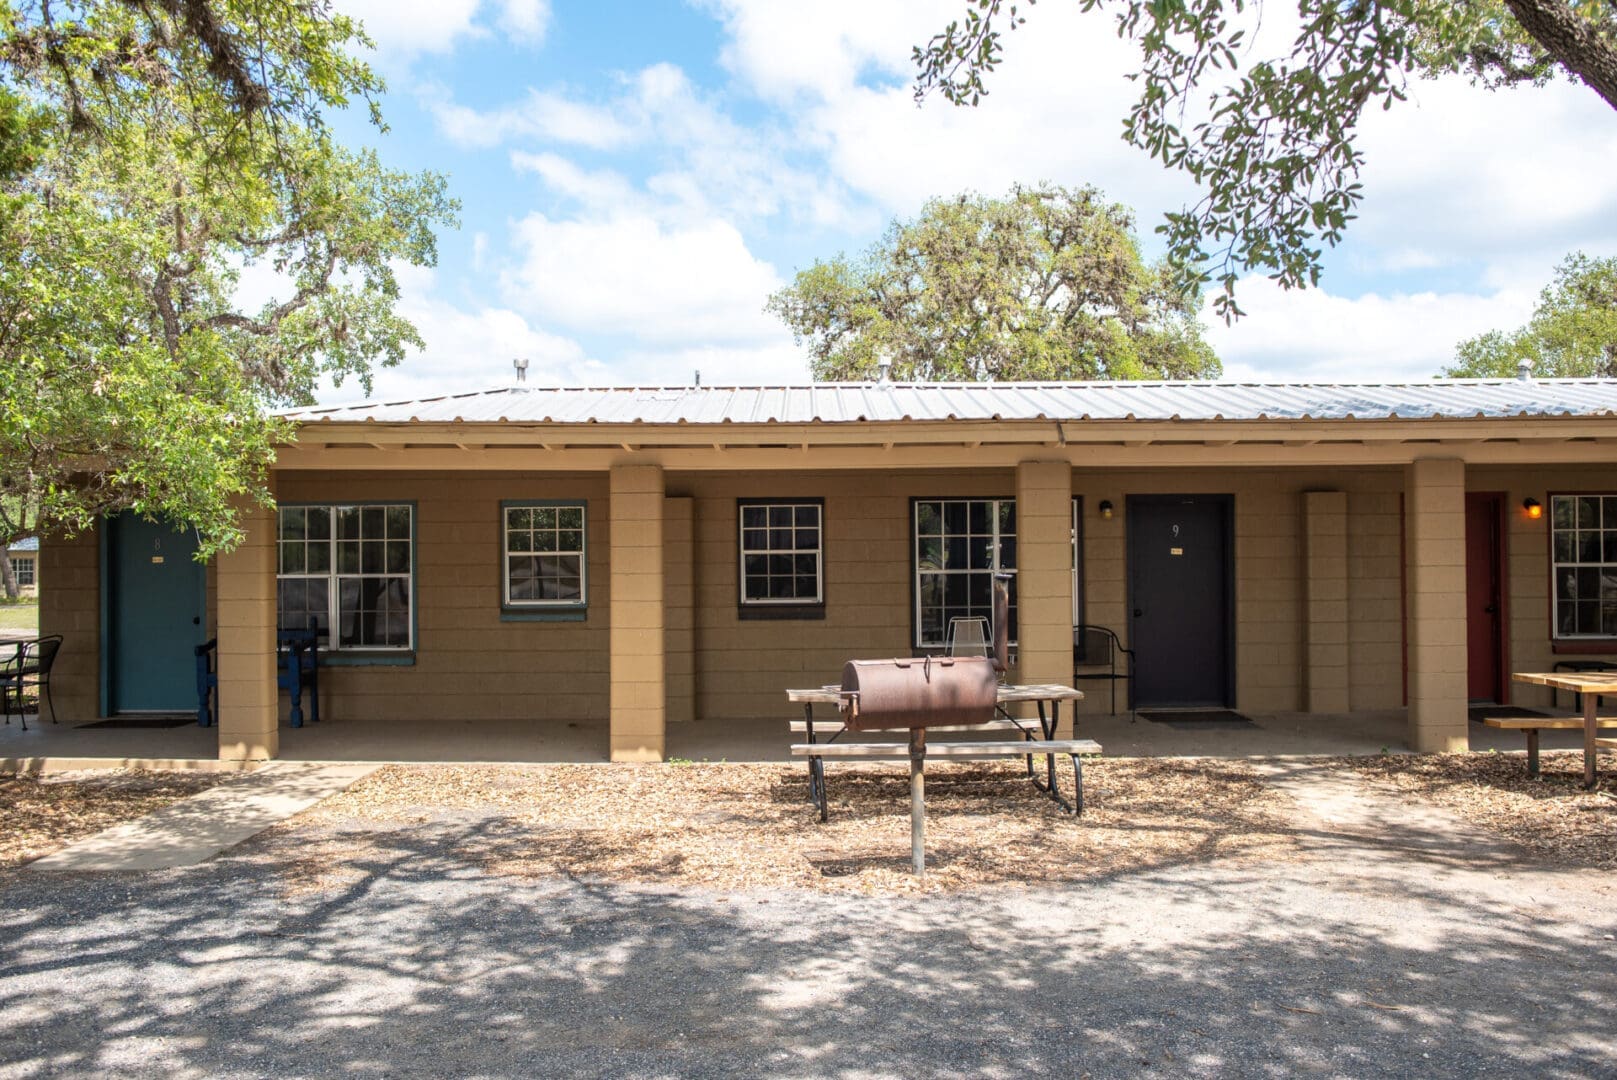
1398,945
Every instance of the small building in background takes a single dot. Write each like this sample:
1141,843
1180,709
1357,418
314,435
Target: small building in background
24,556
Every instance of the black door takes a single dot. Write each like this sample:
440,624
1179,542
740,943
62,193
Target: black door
1179,598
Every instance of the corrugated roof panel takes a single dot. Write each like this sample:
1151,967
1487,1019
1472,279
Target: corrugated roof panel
836,403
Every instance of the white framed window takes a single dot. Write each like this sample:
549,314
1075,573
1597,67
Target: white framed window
1583,562
351,569
782,553
22,568
544,555
959,545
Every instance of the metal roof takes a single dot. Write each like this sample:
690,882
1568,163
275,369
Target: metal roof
836,403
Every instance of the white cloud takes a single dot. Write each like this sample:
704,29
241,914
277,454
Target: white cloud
470,348
632,275
1312,334
541,115
402,28
525,20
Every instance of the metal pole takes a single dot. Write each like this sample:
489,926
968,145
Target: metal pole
918,800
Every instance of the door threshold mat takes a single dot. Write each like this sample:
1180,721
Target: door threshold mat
1480,713
1200,719
129,722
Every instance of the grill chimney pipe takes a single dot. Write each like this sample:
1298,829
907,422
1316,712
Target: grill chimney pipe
1524,371
521,364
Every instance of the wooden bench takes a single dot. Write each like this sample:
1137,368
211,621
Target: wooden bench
955,751
1532,725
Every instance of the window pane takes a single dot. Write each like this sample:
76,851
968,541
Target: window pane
808,516
929,553
1589,547
1007,553
519,541
571,540
780,539
780,588
954,553
293,523
398,523
347,556
780,565
805,564
1588,512
754,539
292,558
1566,546
1007,517
317,557
1566,583
780,517
1566,618
524,575
374,559
348,523
318,522
570,517
982,552
808,539
756,587
954,517
398,556
755,565
978,518
754,517
956,590
544,540
928,519
1563,512
544,517
567,588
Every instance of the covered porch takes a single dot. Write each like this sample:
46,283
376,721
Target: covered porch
553,578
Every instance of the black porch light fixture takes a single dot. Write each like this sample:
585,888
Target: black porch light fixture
1533,508
1105,509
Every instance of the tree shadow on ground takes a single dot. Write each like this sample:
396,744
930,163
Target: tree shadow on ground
416,961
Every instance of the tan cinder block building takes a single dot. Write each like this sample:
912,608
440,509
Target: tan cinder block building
638,558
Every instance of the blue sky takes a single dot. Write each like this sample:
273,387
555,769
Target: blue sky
636,179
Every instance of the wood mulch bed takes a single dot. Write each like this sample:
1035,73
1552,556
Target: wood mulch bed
752,826
39,814
1552,815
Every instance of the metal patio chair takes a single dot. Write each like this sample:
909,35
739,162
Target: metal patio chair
968,636
1098,647
30,667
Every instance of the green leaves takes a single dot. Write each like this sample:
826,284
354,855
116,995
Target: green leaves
1572,335
1273,147
1046,283
149,153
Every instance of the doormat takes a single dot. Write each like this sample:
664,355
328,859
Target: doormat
1201,720
1480,713
170,721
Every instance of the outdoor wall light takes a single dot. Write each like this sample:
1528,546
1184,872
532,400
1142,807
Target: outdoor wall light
1106,509
1533,507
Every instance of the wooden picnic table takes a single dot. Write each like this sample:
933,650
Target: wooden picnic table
1046,697
1591,685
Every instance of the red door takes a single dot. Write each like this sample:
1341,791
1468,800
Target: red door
1484,595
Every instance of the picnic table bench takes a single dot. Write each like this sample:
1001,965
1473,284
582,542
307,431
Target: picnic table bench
1532,725
1590,685
822,741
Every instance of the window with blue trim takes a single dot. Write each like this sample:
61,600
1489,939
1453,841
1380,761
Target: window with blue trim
545,567
348,567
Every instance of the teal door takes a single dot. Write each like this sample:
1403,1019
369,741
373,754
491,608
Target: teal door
155,609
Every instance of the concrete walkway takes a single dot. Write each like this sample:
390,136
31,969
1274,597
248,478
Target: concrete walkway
193,830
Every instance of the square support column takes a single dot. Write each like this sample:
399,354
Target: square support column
245,585
1434,524
1325,562
1044,574
639,679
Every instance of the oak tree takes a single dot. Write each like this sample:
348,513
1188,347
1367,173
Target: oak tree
1572,334
1046,283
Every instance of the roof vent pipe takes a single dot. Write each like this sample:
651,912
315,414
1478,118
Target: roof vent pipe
1524,371
698,382
884,364
521,364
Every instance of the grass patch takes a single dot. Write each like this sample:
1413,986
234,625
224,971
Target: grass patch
19,615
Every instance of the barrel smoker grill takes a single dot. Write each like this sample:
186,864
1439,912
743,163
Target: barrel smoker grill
927,691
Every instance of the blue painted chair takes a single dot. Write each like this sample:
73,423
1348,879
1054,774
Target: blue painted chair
297,663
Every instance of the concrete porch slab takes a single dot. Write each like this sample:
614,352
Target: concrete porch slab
195,829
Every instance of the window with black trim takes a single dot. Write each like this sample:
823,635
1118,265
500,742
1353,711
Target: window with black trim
22,568
348,567
782,553
544,560
1584,565
960,544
